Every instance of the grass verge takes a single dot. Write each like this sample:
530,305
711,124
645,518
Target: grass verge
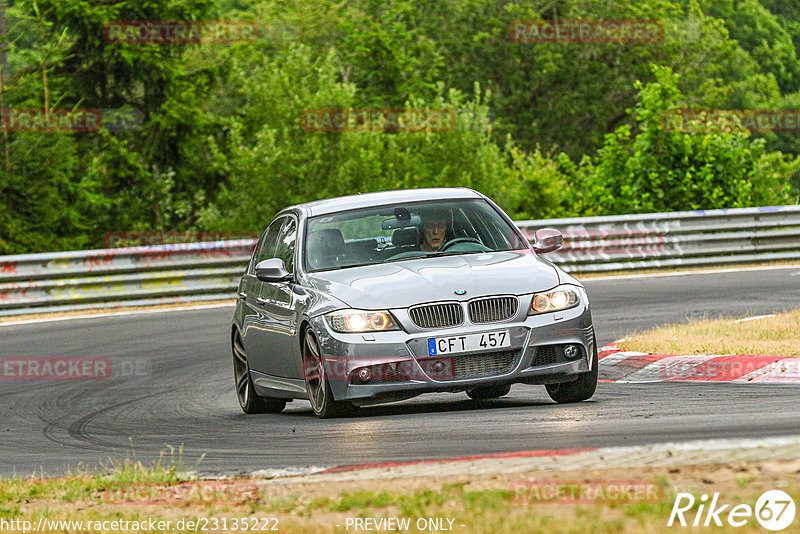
770,336
480,503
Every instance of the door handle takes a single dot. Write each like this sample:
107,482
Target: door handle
261,300
242,295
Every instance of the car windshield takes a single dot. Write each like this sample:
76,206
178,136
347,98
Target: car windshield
401,232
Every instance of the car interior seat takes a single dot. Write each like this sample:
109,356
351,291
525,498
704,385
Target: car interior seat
405,239
326,249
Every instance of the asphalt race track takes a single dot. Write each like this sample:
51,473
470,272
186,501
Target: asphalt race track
179,393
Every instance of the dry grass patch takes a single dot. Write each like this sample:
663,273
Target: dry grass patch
771,336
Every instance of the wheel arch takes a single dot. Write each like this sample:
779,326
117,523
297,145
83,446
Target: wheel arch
305,324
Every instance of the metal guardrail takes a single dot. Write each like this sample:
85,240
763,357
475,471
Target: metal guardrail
677,239
122,276
210,271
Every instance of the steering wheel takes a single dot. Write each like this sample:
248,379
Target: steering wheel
457,240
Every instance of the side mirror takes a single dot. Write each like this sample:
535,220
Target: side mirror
547,240
272,270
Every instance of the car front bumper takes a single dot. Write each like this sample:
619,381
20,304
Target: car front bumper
401,366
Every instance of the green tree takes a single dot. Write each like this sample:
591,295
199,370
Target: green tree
43,195
760,32
275,162
660,169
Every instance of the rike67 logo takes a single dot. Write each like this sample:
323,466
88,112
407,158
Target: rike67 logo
774,510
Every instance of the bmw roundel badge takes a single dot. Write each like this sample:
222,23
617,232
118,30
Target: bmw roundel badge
460,291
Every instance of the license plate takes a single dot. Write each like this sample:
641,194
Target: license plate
468,343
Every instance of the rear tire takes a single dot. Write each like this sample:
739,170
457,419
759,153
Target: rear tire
249,400
317,386
489,392
581,389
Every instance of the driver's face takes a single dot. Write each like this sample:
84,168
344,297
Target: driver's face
434,233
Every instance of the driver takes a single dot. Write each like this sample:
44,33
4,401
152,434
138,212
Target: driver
434,230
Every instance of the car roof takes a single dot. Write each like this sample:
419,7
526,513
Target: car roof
365,200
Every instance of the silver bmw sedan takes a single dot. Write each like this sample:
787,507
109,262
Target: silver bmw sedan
383,296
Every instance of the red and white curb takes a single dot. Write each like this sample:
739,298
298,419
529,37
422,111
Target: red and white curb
413,464
639,367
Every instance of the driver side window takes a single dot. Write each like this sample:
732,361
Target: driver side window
266,247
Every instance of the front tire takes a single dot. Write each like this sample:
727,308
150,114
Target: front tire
489,392
249,400
317,385
581,389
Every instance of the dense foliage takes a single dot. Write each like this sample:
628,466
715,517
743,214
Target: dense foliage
547,129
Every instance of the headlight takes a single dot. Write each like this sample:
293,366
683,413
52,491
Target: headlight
560,298
355,321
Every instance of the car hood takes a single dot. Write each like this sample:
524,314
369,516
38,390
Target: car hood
405,283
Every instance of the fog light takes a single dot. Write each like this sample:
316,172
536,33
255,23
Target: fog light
364,374
572,351
438,366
